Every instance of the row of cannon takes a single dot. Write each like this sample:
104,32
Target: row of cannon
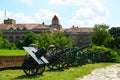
60,58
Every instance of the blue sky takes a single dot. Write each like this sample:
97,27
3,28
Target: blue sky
81,13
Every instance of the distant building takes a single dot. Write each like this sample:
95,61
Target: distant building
79,36
15,32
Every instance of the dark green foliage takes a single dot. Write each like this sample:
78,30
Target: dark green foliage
114,41
100,34
58,39
115,31
0,34
30,38
20,44
5,44
61,40
113,57
45,39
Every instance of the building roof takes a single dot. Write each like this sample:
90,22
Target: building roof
77,29
22,26
55,18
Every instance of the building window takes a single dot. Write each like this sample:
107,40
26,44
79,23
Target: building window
17,38
11,39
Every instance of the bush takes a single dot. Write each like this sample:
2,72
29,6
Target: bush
113,57
94,47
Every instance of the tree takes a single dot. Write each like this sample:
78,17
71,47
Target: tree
115,41
58,39
100,34
0,34
45,39
30,38
61,40
5,44
20,44
115,31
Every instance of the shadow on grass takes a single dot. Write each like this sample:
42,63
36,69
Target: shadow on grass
54,70
27,77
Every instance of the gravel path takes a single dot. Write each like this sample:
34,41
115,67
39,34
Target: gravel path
108,73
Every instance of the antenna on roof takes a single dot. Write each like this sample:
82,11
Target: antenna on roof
5,15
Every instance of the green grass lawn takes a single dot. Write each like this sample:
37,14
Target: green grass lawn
68,74
5,52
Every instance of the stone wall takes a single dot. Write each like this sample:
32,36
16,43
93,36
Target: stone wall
10,61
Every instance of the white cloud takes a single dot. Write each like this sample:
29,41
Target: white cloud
89,12
45,14
115,25
86,12
38,17
2,16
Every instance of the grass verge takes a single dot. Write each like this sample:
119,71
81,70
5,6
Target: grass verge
4,52
68,74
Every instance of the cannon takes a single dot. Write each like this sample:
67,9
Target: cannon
63,57
34,62
55,58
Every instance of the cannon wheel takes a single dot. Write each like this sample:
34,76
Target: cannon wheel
41,69
30,72
54,62
56,65
30,66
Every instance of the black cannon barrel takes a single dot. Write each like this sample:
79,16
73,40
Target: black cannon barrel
41,52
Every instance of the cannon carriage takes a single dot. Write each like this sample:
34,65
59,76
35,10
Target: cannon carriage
34,62
63,57
59,58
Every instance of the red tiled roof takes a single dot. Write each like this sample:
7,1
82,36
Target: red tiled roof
76,29
55,18
21,26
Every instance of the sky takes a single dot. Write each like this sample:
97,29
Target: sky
80,13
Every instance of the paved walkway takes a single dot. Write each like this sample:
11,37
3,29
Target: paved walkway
108,73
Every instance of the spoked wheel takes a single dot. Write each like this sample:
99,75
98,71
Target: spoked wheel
30,66
41,69
55,65
54,56
30,72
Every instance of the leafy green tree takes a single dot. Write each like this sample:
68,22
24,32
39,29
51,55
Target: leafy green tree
1,43
20,44
6,44
114,42
61,40
100,34
115,31
30,38
58,39
0,34
45,39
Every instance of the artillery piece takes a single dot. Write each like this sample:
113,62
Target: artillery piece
34,63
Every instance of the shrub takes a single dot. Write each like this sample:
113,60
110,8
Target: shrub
113,57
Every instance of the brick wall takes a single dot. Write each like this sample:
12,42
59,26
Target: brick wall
9,61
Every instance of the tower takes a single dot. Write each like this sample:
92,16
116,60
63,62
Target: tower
55,26
55,20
